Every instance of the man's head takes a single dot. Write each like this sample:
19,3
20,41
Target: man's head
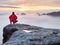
13,13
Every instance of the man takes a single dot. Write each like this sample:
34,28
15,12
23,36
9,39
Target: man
13,18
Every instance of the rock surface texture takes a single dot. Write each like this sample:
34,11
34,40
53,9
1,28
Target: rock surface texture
22,34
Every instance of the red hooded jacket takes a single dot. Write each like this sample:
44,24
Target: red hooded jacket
12,18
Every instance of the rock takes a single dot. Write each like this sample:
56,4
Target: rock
7,33
22,34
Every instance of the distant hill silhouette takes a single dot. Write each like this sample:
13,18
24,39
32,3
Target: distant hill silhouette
53,13
23,13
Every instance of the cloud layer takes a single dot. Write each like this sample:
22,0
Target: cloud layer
13,3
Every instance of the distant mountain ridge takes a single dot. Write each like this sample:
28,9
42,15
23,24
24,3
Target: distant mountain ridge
53,13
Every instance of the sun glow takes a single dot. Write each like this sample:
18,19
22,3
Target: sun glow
33,8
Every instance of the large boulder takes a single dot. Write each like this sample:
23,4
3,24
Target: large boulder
22,34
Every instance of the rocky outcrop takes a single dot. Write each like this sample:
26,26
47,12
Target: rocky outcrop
22,34
9,29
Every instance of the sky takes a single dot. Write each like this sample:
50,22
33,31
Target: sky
24,5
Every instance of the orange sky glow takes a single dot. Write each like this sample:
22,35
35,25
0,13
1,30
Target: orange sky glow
31,7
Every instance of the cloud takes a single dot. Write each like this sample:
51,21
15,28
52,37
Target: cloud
13,3
56,2
9,7
44,2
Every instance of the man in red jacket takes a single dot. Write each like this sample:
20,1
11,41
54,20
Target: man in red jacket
13,18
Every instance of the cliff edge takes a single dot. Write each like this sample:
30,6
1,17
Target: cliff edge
22,34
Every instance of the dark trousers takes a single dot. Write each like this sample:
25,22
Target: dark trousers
13,22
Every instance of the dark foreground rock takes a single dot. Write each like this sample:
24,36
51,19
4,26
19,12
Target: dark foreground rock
22,34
